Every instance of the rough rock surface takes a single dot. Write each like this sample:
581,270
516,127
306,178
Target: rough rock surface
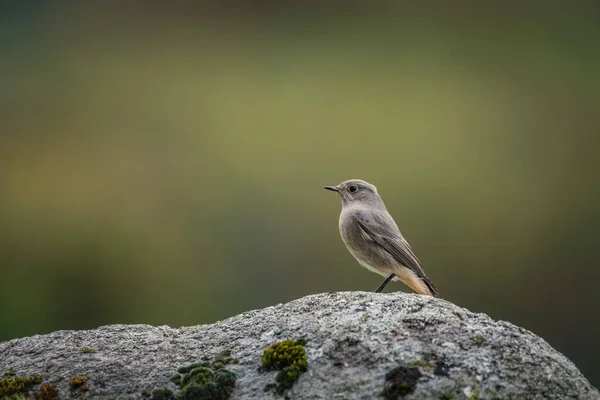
359,346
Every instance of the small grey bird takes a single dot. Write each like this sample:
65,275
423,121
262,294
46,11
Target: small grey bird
373,238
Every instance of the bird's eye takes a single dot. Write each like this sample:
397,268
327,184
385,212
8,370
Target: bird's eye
353,188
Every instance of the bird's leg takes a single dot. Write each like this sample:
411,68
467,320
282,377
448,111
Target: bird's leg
387,280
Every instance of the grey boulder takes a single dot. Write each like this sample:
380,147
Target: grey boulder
358,346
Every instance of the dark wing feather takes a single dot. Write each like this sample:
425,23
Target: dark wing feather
395,245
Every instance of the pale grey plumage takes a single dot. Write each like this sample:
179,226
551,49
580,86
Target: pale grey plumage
373,238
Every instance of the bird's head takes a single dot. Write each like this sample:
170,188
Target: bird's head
356,191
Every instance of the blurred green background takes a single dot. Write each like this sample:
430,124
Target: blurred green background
164,163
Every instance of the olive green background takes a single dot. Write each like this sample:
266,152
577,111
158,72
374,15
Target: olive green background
164,163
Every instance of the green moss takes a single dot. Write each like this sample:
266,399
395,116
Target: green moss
428,366
400,381
289,358
176,379
206,381
223,359
287,377
17,396
430,363
198,376
210,391
478,340
86,350
475,395
448,395
162,394
13,386
225,378
284,354
188,368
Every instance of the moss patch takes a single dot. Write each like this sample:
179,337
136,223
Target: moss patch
16,387
448,395
202,381
289,358
162,394
430,363
86,350
478,340
47,392
423,363
78,382
400,381
475,395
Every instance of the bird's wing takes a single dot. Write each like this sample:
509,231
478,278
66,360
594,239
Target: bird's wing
389,238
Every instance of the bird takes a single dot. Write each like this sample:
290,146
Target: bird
373,238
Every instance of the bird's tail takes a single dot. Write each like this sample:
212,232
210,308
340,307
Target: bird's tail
420,285
432,289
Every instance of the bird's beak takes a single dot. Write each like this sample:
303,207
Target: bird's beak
332,188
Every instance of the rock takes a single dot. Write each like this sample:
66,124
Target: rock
358,346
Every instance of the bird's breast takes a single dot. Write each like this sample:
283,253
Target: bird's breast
357,241
361,246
